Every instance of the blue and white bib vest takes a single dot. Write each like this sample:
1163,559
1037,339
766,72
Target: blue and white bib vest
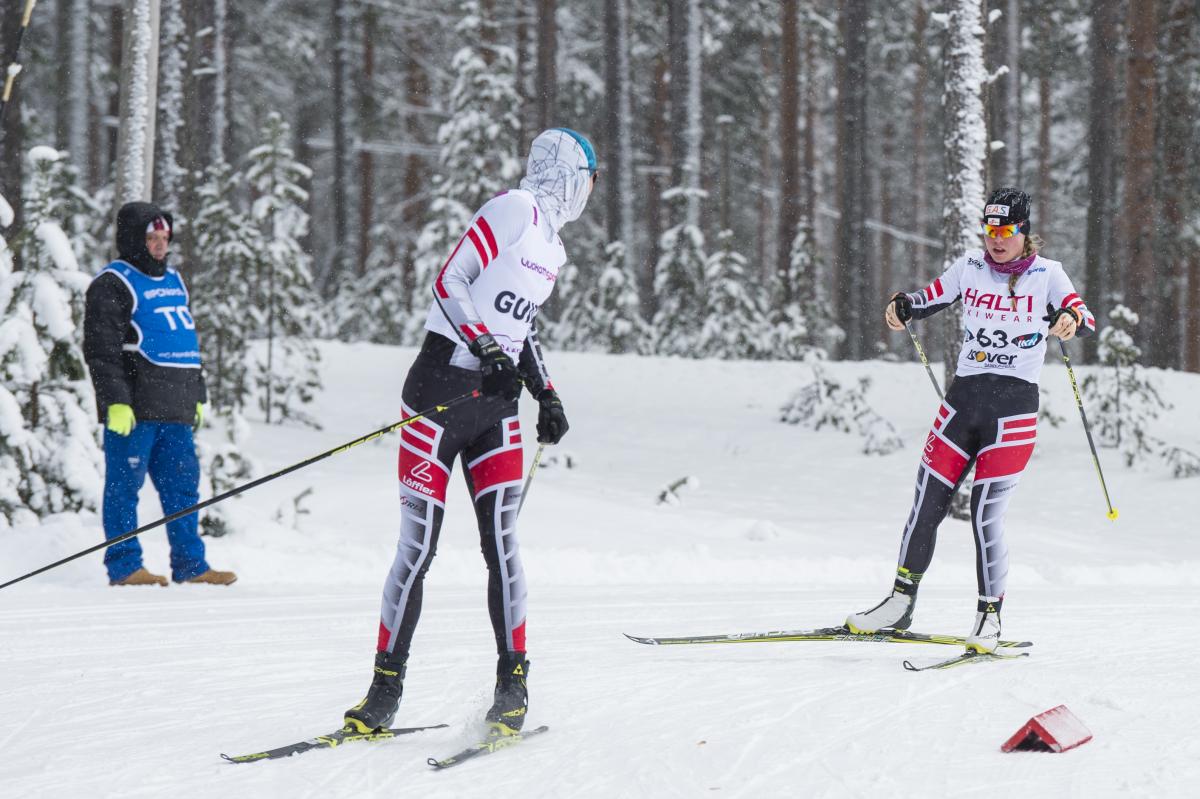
164,325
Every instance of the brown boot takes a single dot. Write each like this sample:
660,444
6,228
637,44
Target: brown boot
141,577
214,577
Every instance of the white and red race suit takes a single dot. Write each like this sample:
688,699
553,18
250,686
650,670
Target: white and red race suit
497,277
989,416
1003,331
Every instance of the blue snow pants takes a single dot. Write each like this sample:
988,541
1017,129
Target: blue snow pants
167,451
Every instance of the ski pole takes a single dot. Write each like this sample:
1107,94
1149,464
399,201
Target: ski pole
537,458
1112,512
238,490
924,360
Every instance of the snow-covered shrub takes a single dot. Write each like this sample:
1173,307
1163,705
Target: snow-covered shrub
1128,400
824,402
50,459
1124,398
670,495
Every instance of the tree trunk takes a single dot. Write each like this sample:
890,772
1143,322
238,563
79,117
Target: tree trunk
367,129
1138,210
660,154
790,189
920,196
547,65
617,120
139,80
416,87
1164,328
850,256
173,65
1003,98
339,194
1100,283
810,128
1045,155
966,153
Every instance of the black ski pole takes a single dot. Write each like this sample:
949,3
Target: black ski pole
1087,429
235,491
924,360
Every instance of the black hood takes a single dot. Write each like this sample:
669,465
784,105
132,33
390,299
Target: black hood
132,221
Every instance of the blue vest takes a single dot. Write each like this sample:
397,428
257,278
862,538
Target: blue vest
165,328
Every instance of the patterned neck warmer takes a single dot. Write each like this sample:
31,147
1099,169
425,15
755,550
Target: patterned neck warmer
1016,266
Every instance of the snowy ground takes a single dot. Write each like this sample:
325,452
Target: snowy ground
135,692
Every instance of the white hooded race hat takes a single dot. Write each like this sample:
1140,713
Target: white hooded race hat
560,167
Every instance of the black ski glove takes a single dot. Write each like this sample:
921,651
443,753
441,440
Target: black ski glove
500,377
903,306
1053,314
552,420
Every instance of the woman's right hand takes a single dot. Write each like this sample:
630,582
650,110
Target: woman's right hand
898,311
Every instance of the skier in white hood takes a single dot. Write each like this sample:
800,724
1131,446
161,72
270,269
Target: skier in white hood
481,335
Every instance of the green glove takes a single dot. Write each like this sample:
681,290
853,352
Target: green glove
199,417
120,419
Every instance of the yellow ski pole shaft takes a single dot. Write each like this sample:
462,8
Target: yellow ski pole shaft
252,484
537,458
924,360
1112,512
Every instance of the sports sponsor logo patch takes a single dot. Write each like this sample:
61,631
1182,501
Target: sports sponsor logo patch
991,358
1001,210
975,262
1028,341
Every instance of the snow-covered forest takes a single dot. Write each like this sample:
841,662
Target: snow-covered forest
803,159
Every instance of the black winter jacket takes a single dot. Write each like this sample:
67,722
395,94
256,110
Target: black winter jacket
156,393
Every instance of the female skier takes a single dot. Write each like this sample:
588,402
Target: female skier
481,335
989,415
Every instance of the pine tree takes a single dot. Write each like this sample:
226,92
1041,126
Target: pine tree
803,323
734,325
285,307
49,453
222,298
373,307
477,143
679,283
222,294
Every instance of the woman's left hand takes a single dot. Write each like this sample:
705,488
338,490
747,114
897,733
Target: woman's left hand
1064,323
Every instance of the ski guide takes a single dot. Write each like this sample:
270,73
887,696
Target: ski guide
481,335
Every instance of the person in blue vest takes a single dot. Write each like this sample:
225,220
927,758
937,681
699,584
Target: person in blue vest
139,341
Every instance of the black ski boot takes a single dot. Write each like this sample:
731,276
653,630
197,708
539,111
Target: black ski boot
512,696
383,697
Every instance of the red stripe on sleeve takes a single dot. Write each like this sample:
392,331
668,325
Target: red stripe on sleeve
1067,300
937,288
929,293
488,236
441,290
483,256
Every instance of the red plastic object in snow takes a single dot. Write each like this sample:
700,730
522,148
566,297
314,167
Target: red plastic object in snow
1055,730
